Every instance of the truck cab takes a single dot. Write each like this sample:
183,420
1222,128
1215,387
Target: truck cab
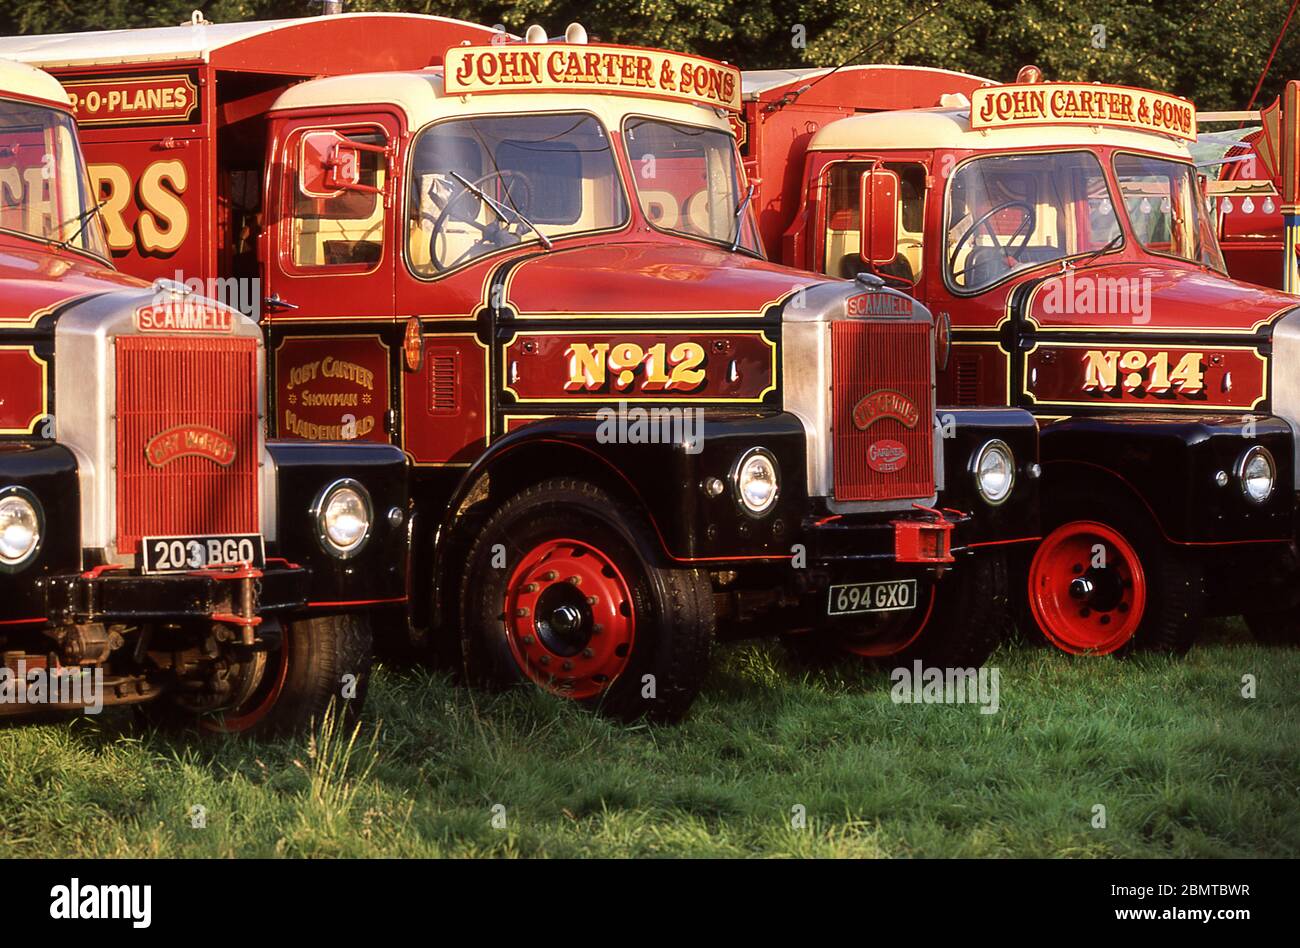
1062,231
155,548
535,267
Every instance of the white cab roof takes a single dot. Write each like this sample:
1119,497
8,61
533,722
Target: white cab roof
950,128
21,79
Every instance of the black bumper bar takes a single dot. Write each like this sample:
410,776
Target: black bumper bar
120,595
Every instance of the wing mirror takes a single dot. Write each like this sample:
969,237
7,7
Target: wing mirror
879,216
330,163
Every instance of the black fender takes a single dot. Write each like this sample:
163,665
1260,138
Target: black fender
665,480
964,432
377,574
1168,464
49,471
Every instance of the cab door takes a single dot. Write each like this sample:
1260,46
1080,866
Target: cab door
329,251
328,256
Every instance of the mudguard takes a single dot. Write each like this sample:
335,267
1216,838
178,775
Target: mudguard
377,574
1170,463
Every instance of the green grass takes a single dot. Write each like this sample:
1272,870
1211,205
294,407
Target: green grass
1184,765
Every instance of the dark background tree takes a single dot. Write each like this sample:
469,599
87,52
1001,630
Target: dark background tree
1209,50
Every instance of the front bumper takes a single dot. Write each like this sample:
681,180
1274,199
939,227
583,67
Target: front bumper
125,596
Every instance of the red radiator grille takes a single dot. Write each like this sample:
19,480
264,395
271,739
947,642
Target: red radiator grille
883,410
201,393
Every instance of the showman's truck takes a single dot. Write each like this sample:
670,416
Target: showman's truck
1062,232
535,267
155,548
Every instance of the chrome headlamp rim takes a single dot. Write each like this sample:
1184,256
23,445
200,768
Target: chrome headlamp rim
734,478
976,462
16,566
1239,472
321,503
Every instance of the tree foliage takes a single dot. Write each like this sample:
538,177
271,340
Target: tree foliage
1209,50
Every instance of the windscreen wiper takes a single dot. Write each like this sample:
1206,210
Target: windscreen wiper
1109,245
740,210
81,220
500,209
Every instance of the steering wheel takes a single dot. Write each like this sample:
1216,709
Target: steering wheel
1009,250
495,232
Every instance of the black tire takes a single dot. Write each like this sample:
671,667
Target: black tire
670,611
971,618
1174,582
1275,628
301,680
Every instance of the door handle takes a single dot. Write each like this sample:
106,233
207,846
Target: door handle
275,304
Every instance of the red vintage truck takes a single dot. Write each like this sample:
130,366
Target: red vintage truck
1060,229
535,267
155,548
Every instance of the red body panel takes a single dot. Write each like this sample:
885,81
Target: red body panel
319,390
622,277
33,282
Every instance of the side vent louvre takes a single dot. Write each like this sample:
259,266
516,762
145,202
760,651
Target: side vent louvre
968,381
444,375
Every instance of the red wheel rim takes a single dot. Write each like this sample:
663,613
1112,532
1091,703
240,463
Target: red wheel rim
260,704
1087,590
892,645
569,618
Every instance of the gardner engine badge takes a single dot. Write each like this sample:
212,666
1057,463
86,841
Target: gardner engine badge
887,456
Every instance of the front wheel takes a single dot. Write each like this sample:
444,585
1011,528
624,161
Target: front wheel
958,621
1098,587
558,593
322,660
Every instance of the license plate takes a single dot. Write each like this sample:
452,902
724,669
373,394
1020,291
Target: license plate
182,554
894,595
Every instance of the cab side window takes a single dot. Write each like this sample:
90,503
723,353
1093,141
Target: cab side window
347,228
843,216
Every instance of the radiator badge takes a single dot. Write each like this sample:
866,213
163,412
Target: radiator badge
191,314
884,403
190,441
887,456
878,304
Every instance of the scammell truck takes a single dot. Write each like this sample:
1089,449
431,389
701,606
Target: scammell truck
156,548
1061,231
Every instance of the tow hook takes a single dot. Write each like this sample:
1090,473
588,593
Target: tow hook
929,539
244,601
